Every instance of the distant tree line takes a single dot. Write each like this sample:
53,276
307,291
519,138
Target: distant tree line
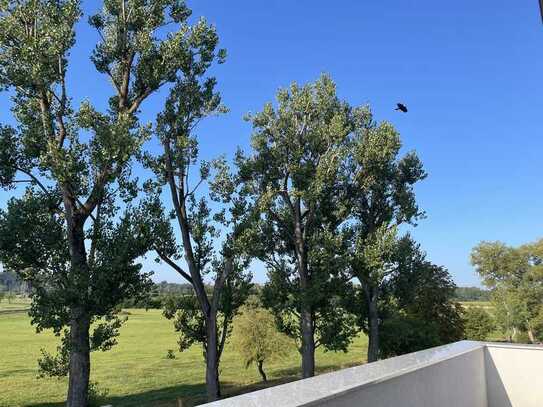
165,287
471,294
10,282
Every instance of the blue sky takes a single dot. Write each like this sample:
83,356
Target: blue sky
469,71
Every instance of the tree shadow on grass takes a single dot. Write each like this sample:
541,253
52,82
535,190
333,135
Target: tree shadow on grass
196,394
163,397
295,373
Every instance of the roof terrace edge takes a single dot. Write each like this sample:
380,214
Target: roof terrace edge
308,392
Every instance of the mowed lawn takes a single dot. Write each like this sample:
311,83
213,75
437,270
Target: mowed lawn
136,371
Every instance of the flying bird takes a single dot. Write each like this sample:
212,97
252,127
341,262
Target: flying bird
401,107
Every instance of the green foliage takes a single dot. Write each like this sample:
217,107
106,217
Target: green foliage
56,365
34,49
33,242
189,320
426,291
154,59
478,324
97,395
416,308
379,186
211,223
401,334
256,338
515,278
166,288
537,323
293,177
105,333
334,326
103,338
511,312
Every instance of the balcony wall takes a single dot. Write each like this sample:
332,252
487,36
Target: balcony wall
461,374
514,375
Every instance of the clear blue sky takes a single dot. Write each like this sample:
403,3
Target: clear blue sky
469,71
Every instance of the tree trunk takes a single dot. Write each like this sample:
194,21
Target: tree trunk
79,366
212,359
531,335
78,385
308,344
260,365
306,315
373,319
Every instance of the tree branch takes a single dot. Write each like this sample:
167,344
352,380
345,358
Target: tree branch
195,188
173,265
33,179
95,195
281,223
219,283
139,99
224,334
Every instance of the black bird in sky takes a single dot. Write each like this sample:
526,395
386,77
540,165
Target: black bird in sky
401,107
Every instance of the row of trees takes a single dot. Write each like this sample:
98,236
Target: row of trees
319,199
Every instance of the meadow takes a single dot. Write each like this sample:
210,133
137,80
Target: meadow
137,371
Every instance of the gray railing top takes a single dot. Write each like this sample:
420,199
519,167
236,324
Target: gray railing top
306,392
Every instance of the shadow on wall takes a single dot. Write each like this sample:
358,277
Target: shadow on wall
496,391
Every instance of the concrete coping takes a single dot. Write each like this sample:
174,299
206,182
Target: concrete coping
309,392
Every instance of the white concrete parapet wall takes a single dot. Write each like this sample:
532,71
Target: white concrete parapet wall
462,374
514,375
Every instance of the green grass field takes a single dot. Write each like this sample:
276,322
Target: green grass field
487,305
136,371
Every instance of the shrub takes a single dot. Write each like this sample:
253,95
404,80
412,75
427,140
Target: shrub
97,395
403,334
478,324
257,339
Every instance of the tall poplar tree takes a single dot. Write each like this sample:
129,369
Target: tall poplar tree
379,187
292,175
210,212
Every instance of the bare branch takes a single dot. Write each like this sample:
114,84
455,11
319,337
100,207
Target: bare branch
34,179
173,265
21,181
195,188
